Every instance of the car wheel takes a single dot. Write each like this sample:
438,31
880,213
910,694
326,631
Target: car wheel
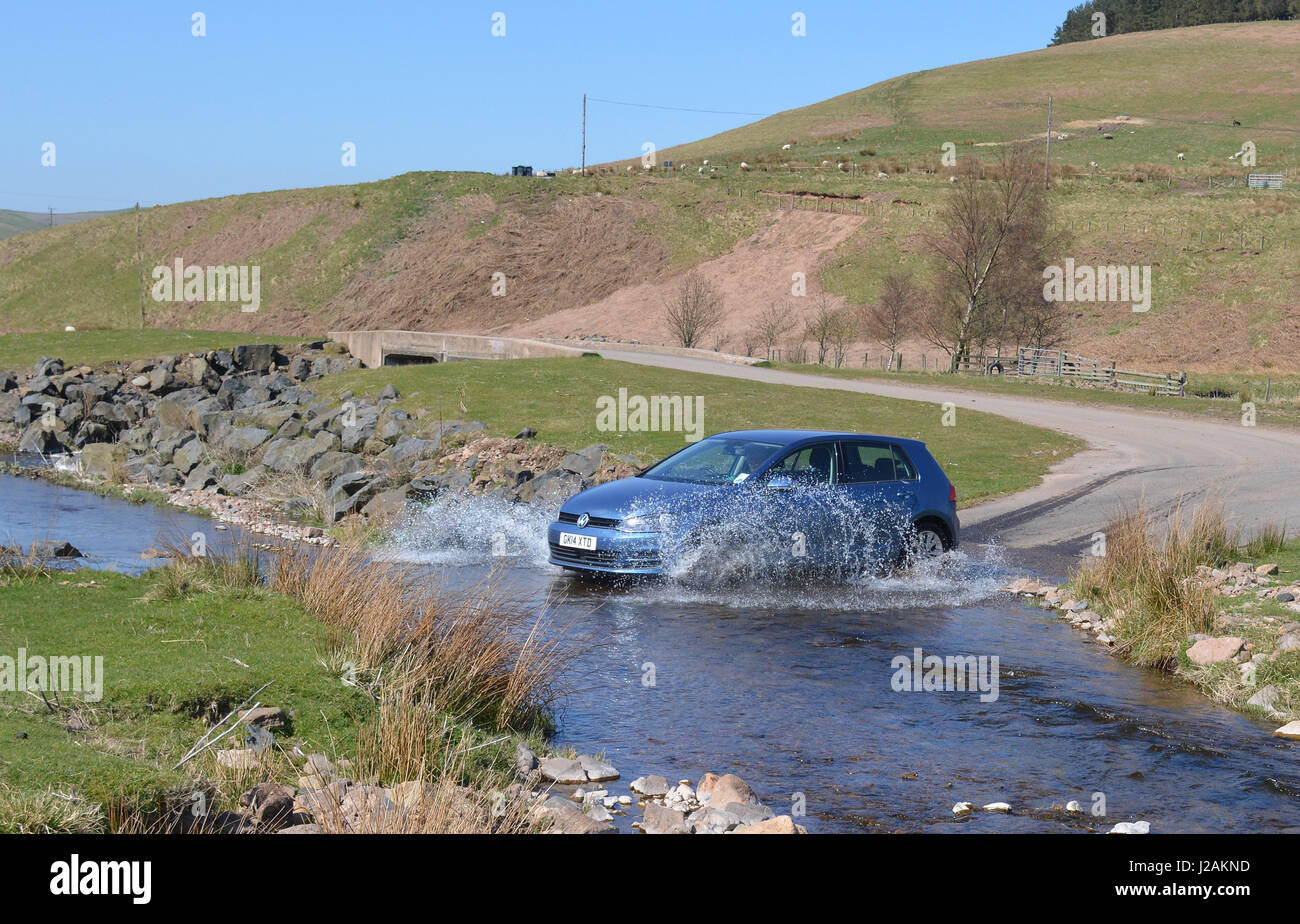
926,540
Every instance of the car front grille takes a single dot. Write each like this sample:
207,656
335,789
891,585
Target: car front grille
609,558
598,522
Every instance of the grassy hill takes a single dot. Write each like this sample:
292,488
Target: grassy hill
420,250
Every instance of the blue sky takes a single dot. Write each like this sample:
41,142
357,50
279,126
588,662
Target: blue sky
139,108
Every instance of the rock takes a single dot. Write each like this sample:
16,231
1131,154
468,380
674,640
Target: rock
527,433
202,476
650,786
781,824
266,717
1266,569
730,788
1001,807
333,464
103,460
254,357
559,816
238,758
386,504
1265,698
286,455
525,760
1215,650
320,765
1288,642
660,819
272,803
1131,827
597,770
710,820
408,450
704,788
1289,730
245,439
1285,597
584,462
1073,806
748,814
963,808
389,393
187,456
562,770
54,548
302,829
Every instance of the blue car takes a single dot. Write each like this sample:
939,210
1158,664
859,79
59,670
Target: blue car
772,499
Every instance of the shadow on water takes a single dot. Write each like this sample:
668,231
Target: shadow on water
790,683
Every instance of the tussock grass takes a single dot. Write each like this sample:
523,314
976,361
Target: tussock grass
1149,584
1270,540
47,812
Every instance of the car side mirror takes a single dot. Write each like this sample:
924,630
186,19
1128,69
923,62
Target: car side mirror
780,483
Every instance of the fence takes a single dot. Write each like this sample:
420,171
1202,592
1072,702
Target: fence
1063,365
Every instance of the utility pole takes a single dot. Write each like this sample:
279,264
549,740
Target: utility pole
584,134
1048,166
139,262
51,216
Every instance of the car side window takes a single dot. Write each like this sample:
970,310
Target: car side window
867,463
903,466
813,464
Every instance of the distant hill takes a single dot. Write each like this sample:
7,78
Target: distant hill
596,254
12,222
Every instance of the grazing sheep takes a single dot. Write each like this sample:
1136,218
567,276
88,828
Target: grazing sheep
882,176
1182,156
744,166
1093,163
785,147
629,168
952,179
706,163
700,170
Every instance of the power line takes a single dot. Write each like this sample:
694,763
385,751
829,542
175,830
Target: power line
615,102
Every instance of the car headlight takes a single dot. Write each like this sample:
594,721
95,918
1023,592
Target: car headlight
645,523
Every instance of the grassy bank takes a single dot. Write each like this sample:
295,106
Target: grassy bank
1162,590
1281,409
367,669
985,455
93,347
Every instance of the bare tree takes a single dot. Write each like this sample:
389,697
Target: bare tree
818,326
694,309
891,316
843,330
775,321
994,231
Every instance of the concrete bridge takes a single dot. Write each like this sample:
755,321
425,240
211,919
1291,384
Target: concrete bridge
397,347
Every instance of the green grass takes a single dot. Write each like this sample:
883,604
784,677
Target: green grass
985,456
166,663
93,347
1283,408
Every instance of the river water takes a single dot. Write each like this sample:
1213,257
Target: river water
793,686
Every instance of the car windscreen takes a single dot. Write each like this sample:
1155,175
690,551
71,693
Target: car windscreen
716,460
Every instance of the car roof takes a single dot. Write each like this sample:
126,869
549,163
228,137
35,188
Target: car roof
789,437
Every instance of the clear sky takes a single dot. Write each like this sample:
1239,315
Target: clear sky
139,108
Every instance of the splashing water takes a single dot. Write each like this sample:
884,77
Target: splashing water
728,562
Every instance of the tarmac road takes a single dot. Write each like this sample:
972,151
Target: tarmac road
1133,455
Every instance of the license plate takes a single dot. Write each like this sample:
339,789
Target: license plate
576,541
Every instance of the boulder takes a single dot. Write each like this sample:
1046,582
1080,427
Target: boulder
54,548
660,819
584,462
387,504
730,788
272,803
256,357
597,770
245,439
781,824
562,770
284,455
1289,730
1215,650
103,460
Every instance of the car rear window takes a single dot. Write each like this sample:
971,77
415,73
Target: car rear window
868,462
903,466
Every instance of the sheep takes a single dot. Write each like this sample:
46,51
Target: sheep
840,165
629,168
785,147
1182,156
1093,163
882,176
706,163
826,163
952,179
744,166
700,170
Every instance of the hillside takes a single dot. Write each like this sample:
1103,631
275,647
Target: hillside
596,254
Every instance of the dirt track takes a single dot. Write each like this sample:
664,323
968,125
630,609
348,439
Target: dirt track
1132,455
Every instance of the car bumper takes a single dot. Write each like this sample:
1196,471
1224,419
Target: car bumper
615,553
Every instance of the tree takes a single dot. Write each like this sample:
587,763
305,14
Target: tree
773,323
819,325
994,235
843,329
889,318
694,309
